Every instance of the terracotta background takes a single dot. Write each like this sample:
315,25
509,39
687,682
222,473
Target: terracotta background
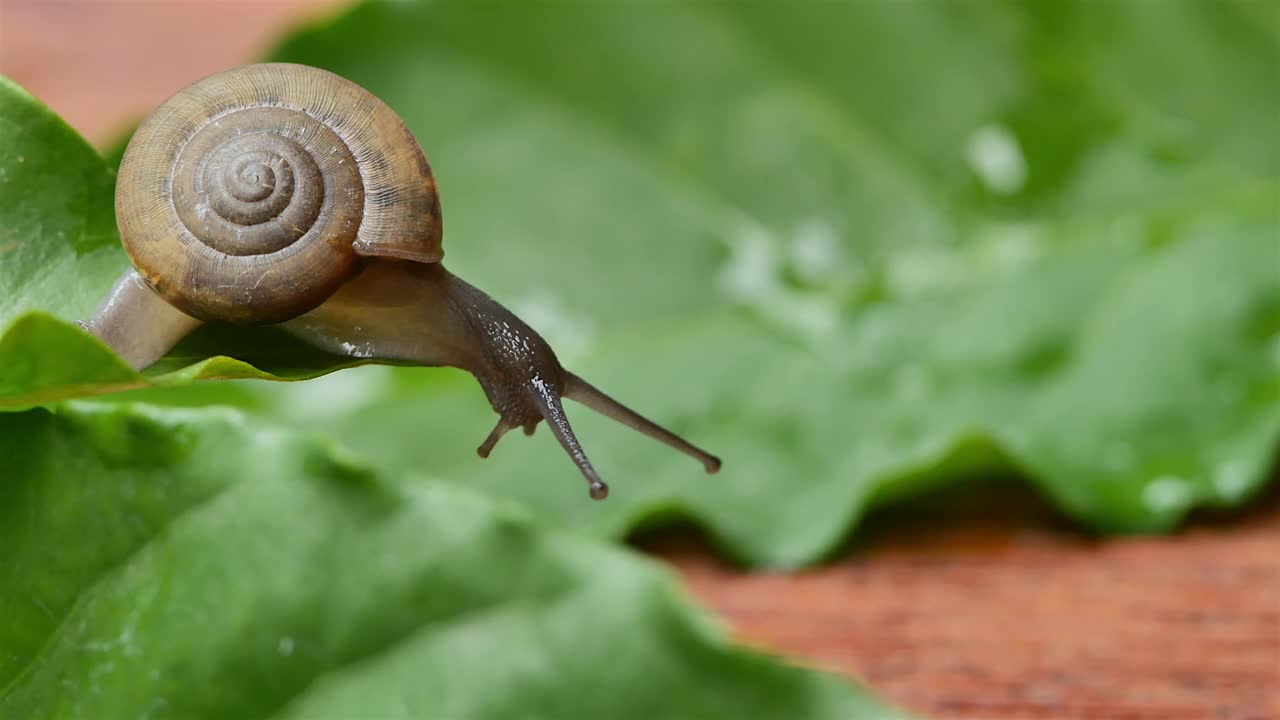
975,604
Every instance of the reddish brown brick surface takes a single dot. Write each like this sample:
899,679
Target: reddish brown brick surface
986,606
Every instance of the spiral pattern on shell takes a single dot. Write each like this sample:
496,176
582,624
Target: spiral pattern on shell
250,196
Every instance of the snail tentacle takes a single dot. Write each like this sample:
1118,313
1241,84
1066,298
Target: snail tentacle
502,428
547,399
585,393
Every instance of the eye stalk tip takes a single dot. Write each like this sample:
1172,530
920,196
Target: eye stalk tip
712,464
599,490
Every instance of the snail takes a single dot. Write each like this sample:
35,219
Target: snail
286,195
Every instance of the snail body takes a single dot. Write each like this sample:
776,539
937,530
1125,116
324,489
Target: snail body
285,194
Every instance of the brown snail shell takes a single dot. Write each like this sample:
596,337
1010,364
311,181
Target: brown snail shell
248,196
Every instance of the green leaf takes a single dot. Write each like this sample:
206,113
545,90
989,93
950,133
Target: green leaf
44,359
188,564
58,246
856,249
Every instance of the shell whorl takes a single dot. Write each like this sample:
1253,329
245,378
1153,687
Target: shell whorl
249,196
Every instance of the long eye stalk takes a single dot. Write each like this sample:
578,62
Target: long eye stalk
553,412
583,392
